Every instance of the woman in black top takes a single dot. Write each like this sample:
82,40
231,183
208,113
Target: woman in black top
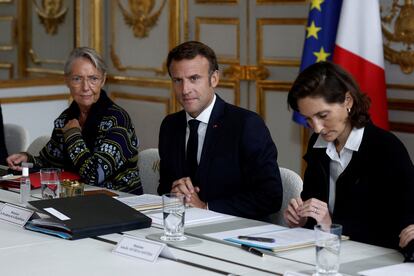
357,174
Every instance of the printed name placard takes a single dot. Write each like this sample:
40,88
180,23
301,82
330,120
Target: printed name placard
142,249
15,214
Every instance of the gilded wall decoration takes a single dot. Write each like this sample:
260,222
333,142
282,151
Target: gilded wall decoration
9,22
139,16
51,14
246,72
398,28
9,69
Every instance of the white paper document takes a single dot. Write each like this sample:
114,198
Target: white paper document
405,269
142,202
284,238
10,177
193,216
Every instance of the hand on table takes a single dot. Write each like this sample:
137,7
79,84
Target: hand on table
316,209
298,212
185,186
291,214
14,161
406,235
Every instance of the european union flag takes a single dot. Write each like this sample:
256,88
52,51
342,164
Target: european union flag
320,36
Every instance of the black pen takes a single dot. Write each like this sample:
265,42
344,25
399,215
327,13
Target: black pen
252,250
259,239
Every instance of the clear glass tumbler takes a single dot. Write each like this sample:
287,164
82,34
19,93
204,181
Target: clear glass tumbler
328,247
173,207
50,183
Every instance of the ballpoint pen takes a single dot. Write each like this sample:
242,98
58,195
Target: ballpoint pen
252,250
259,239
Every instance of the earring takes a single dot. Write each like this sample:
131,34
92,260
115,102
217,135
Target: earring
348,109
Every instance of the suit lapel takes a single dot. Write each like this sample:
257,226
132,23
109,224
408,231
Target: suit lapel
215,128
179,135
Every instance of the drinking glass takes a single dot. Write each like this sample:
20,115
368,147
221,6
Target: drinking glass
50,183
173,208
328,246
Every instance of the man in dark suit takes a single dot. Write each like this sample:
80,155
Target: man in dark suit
3,149
220,156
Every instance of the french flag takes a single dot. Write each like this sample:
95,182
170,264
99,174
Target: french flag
358,49
348,32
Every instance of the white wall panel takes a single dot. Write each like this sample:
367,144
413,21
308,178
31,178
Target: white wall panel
36,117
32,109
285,133
147,118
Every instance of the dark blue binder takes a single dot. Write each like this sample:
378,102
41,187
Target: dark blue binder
89,216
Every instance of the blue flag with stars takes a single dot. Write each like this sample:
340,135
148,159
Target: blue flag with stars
320,36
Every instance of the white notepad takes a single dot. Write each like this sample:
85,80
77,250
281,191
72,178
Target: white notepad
193,216
142,202
284,238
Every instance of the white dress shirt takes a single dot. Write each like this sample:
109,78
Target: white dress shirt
340,161
204,117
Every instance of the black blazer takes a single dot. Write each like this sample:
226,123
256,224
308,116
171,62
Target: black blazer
3,149
375,193
238,172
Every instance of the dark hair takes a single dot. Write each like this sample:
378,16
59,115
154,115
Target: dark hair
329,81
191,49
88,53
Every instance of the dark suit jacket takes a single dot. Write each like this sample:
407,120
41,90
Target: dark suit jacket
238,172
3,149
375,193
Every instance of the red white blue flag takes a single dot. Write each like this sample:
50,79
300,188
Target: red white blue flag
349,32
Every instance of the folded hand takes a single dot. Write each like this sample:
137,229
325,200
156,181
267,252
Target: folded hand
316,209
406,235
185,186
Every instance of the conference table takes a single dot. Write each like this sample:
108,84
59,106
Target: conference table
23,252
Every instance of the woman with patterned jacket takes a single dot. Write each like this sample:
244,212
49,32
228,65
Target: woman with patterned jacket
93,137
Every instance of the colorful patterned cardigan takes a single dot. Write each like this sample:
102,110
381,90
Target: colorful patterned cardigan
104,153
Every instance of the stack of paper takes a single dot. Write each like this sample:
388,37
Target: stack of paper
142,202
10,177
193,216
284,238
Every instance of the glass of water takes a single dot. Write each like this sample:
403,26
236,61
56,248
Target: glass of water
328,247
173,208
50,183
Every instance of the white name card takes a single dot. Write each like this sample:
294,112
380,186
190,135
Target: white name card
142,249
56,213
15,214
